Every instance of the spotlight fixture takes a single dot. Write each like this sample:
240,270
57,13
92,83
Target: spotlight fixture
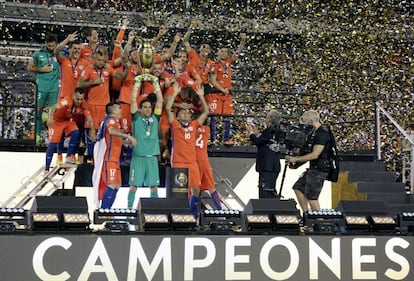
45,221
183,221
76,221
356,224
155,222
382,223
221,220
286,223
257,222
406,222
324,221
13,219
119,214
116,220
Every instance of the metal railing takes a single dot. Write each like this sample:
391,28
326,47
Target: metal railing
378,110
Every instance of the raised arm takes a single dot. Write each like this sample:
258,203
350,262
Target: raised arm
134,94
172,48
204,114
71,37
236,55
168,106
158,94
163,30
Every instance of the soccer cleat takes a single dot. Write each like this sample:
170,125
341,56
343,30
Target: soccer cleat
70,159
59,160
228,142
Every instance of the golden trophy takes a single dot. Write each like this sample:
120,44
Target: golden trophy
146,55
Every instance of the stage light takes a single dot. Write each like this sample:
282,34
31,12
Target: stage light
116,220
357,224
406,222
257,222
286,223
324,221
221,220
155,222
183,222
76,221
45,218
45,221
116,214
382,223
66,213
13,219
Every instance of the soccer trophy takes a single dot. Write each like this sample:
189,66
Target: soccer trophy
146,56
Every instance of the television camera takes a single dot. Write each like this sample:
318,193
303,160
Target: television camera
295,138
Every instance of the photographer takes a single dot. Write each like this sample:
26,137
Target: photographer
308,187
268,153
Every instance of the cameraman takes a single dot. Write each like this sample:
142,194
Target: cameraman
268,153
308,187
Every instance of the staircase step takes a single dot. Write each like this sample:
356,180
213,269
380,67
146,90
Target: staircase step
359,176
394,209
362,166
386,187
392,198
362,207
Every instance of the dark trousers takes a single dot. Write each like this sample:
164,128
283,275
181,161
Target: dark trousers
267,185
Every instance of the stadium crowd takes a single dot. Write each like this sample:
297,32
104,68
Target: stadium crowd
336,57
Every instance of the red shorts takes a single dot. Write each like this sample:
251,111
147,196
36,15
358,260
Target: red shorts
57,129
111,174
206,175
219,103
126,120
97,113
193,173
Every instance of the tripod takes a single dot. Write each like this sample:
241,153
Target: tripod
283,179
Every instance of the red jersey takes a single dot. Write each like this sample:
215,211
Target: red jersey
128,84
113,143
183,142
203,135
66,109
70,72
223,72
87,52
203,67
184,80
98,94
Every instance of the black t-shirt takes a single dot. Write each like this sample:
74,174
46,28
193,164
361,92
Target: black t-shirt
321,137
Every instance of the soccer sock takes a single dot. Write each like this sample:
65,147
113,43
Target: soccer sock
60,148
216,200
213,123
108,197
49,154
131,198
194,205
154,194
74,142
90,144
226,130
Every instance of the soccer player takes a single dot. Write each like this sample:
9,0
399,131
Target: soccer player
144,163
46,67
183,132
61,123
